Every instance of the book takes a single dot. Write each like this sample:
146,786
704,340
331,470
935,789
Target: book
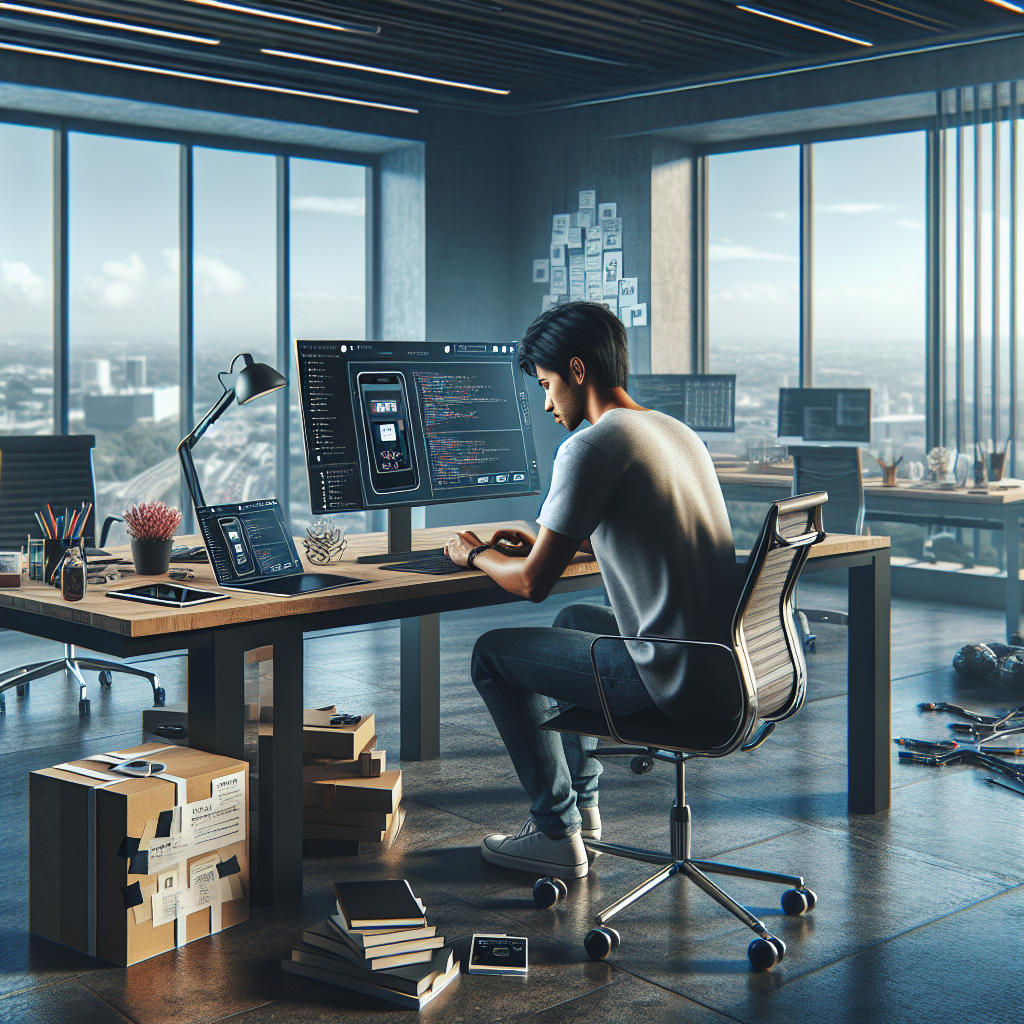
367,938
365,835
376,904
402,943
413,979
343,951
369,988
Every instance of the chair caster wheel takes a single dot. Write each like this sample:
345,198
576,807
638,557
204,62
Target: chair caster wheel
641,764
600,942
795,903
158,697
763,954
106,678
811,898
548,891
22,690
84,707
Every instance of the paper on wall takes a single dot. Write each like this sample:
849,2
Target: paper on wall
592,264
587,200
560,229
605,211
540,271
548,302
594,231
611,229
593,247
610,274
587,218
637,315
575,237
627,291
559,281
557,255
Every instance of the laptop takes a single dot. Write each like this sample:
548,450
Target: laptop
251,549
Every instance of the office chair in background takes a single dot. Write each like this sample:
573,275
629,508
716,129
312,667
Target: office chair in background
838,471
55,469
764,667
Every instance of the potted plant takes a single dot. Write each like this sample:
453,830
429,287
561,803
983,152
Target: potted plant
151,525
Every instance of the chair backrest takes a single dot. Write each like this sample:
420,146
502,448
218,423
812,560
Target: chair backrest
836,470
768,650
36,470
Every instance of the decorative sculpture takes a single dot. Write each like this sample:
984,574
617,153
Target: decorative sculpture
324,543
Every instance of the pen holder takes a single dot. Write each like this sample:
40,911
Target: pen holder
36,559
53,552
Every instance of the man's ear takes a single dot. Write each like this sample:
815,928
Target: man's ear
577,369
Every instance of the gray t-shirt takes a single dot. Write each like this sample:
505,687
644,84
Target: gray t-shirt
642,487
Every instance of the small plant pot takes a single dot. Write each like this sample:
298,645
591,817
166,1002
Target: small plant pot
152,557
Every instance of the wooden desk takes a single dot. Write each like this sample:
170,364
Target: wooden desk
217,637
908,502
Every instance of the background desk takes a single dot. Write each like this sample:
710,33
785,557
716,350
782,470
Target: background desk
993,510
217,637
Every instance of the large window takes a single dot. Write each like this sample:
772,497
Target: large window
328,284
235,272
754,282
869,280
26,280
123,281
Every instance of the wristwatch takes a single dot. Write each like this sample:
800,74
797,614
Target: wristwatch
471,557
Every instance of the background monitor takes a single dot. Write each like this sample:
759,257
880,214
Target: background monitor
825,416
703,401
413,423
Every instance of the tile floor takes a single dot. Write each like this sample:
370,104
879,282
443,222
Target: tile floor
919,914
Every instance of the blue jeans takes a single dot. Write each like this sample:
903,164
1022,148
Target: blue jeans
520,673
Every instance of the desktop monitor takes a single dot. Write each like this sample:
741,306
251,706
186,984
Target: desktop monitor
413,423
703,401
833,416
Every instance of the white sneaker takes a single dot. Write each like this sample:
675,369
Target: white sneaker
591,823
531,850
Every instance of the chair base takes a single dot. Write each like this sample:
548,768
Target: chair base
72,664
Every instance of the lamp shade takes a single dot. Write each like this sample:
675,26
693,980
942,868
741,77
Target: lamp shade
255,379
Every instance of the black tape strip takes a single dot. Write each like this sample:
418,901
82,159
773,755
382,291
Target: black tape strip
139,863
163,824
129,847
132,895
228,867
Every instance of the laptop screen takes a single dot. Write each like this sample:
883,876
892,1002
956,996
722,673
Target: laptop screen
248,542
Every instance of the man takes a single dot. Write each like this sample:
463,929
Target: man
640,488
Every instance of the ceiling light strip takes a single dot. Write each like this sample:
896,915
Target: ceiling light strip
804,24
203,78
103,23
260,12
383,71
1016,8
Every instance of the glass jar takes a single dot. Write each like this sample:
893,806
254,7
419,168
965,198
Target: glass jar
73,573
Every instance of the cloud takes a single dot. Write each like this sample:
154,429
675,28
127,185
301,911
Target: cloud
855,209
19,281
120,283
755,291
720,252
340,206
910,225
215,277
780,216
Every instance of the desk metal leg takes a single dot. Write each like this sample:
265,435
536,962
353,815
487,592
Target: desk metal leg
869,685
217,722
421,688
1011,540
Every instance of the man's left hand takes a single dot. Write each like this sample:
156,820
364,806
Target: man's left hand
459,547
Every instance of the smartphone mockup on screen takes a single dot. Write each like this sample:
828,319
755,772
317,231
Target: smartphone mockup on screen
238,549
389,448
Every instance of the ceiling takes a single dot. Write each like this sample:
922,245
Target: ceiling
546,54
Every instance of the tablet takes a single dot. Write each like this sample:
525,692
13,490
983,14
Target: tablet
167,594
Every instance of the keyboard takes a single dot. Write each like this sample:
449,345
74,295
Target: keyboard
433,566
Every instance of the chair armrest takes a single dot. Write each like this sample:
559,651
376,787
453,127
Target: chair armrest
107,523
602,694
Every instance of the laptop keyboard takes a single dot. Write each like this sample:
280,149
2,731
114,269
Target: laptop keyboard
433,566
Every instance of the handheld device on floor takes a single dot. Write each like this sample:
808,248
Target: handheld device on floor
498,954
251,549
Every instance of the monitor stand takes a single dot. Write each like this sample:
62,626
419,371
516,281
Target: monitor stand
399,539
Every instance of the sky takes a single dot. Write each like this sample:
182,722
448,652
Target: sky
124,247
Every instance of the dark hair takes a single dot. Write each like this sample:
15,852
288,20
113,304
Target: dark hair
583,329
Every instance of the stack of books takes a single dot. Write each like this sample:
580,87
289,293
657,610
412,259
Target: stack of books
349,795
378,943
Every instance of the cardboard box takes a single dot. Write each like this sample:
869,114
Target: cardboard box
342,742
342,833
124,868
329,791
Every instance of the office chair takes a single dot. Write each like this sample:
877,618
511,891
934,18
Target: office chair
53,468
838,471
764,667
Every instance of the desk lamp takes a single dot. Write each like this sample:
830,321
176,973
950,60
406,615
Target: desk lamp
254,380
